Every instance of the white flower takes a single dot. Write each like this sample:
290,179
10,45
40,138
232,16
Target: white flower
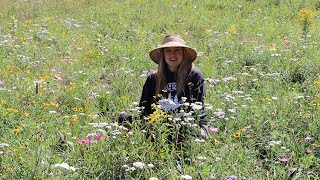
52,112
131,169
271,143
167,105
153,178
4,145
196,106
186,177
183,99
140,165
201,158
199,140
135,103
66,166
150,165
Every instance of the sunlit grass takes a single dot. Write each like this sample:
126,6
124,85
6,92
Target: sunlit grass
68,68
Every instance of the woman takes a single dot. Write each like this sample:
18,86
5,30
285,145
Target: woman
176,78
176,82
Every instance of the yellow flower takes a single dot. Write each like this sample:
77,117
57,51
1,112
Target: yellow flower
22,125
232,29
306,116
216,142
74,109
237,135
26,114
12,110
273,47
17,130
306,14
73,119
81,110
29,21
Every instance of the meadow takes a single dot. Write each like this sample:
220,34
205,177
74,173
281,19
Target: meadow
69,67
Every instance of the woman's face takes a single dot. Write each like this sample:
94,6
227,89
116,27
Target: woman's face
173,57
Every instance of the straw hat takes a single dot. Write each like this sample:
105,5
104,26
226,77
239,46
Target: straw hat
173,41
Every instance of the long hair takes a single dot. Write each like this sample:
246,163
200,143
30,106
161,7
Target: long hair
182,73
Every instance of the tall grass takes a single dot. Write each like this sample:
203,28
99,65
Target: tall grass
67,68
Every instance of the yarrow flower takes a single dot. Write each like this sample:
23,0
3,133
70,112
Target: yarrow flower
140,165
186,177
66,166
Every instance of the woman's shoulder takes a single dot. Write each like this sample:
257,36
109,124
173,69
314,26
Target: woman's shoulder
151,75
196,73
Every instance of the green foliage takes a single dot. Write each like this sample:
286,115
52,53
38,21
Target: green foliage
68,68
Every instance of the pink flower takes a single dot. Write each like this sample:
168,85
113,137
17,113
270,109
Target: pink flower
89,140
283,159
81,141
98,136
308,151
308,138
57,77
284,42
213,129
1,82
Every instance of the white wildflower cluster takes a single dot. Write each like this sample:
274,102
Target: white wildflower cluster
219,114
2,145
137,165
65,166
196,106
186,177
167,105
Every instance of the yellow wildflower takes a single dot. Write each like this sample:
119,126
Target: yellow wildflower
306,15
22,125
29,21
237,135
12,110
216,142
73,119
232,29
17,130
273,47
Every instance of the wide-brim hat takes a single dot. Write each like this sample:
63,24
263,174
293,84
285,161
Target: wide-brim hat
173,41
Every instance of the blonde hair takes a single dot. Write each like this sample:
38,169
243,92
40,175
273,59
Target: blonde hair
182,73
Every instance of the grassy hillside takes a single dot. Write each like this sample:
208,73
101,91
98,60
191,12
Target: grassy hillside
67,65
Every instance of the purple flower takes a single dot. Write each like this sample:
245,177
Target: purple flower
232,177
282,159
81,141
89,140
284,42
1,82
213,129
308,151
98,136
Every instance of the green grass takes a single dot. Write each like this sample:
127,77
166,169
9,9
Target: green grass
99,49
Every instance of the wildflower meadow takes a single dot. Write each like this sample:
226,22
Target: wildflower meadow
69,67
